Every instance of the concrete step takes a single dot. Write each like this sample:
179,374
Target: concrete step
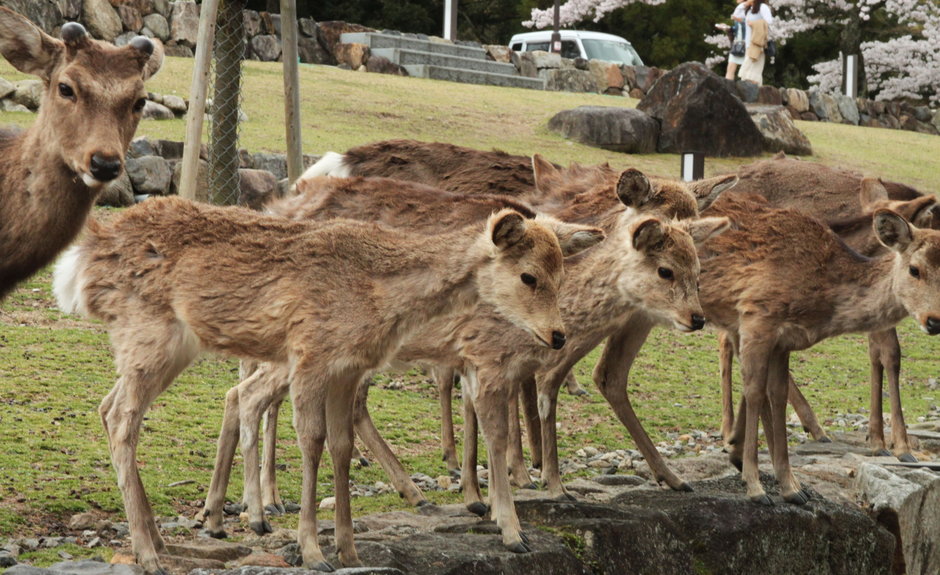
377,40
404,57
473,76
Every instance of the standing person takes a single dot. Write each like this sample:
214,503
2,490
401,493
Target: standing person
737,34
758,19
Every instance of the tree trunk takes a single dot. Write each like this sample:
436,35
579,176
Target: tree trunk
228,54
851,43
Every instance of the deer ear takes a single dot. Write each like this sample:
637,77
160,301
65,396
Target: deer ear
634,188
707,191
871,190
649,235
893,231
152,50
507,228
544,173
704,229
574,238
26,47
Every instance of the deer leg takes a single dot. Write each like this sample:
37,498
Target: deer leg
270,496
888,360
611,375
805,412
266,387
308,394
224,457
754,369
369,434
778,378
142,377
572,385
340,403
490,399
469,481
725,366
444,378
528,397
548,385
518,472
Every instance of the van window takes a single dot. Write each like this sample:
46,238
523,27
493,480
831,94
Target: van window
612,52
533,46
570,49
517,47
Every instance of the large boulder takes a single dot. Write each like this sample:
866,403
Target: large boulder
907,503
102,20
184,24
779,132
612,128
698,113
568,80
46,15
149,175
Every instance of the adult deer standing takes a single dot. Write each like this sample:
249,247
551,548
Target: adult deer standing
332,301
51,174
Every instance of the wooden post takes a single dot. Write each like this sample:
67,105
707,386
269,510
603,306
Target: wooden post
197,99
295,158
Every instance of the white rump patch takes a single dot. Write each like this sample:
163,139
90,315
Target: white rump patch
67,283
331,164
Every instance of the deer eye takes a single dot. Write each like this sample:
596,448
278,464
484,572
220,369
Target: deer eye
528,279
915,271
66,91
665,273
139,104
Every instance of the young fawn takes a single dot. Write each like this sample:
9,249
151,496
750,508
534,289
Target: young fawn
51,173
330,300
781,281
846,201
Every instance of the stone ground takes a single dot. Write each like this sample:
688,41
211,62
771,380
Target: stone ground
830,470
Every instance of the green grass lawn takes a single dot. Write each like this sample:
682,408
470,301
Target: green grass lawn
55,369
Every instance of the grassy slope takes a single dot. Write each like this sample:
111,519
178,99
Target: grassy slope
54,370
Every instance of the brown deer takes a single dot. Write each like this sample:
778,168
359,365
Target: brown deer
405,205
650,264
330,300
846,201
781,281
51,173
577,193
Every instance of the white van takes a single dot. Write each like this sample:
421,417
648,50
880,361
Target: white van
580,44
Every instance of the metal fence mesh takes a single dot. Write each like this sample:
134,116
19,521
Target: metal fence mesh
223,115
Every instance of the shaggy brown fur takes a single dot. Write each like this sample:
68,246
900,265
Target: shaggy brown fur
331,300
781,281
846,201
51,173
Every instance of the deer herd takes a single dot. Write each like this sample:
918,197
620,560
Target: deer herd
503,271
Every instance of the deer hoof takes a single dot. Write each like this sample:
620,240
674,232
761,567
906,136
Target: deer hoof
580,392
274,509
801,497
478,508
364,462
233,508
736,461
423,503
907,458
762,499
519,547
882,453
322,566
824,439
565,497
684,486
261,527
525,538
529,485
216,533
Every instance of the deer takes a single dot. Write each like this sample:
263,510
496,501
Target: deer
576,193
781,281
406,205
51,173
847,201
329,300
651,264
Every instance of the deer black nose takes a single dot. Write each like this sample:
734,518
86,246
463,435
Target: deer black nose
933,325
698,322
558,340
105,168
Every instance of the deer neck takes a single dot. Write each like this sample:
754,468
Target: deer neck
866,300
